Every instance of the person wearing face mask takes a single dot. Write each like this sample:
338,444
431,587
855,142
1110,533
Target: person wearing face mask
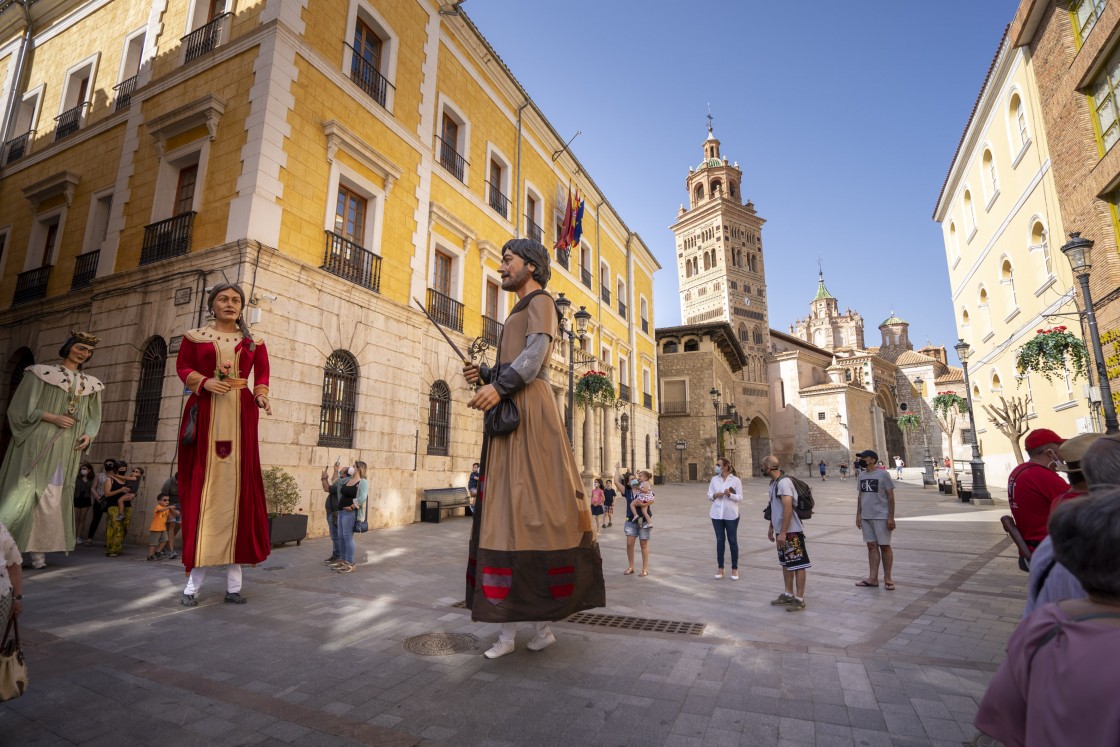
635,533
100,503
725,490
119,492
83,497
1033,485
352,494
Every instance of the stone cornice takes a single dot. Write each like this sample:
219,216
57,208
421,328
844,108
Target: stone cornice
207,111
338,136
63,183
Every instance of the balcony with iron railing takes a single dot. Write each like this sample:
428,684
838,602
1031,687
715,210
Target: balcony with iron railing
352,262
491,331
32,285
85,269
368,77
445,310
70,121
204,39
17,147
124,91
585,276
497,200
621,309
674,408
624,392
562,257
450,160
645,326
605,294
647,400
167,238
532,230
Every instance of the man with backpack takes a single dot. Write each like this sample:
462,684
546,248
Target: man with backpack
875,516
788,535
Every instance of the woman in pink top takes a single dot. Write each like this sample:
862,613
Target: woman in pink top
1059,681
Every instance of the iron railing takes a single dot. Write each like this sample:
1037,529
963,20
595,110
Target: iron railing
624,392
204,39
445,310
585,275
497,200
533,230
352,262
17,146
149,391
622,309
124,91
605,294
645,326
85,269
32,285
166,239
491,331
562,256
368,77
69,122
674,408
450,159
647,400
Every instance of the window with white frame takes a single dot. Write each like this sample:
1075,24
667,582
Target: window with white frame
207,27
620,297
585,264
370,54
1106,107
77,92
624,372
1020,136
970,213
46,236
131,59
643,307
498,181
453,139
954,243
997,384
1007,280
982,304
1040,245
534,214
97,226
991,176
645,382
445,286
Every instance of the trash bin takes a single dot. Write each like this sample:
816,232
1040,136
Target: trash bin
429,511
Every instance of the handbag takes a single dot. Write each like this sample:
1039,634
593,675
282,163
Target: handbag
13,667
503,418
361,527
191,428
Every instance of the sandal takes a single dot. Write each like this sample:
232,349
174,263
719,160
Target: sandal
888,586
644,572
863,583
628,572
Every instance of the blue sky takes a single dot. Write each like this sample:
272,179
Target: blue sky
844,117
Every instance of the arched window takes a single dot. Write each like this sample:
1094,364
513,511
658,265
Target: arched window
965,319
1040,245
743,336
757,336
991,176
1007,280
669,347
997,384
439,419
970,212
149,390
699,192
732,190
691,346
1018,122
707,262
954,242
687,268
716,188
340,400
985,307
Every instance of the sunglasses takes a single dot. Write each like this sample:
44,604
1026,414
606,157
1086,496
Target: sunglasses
772,469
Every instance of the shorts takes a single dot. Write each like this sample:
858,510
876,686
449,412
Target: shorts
794,556
633,530
154,537
597,510
875,530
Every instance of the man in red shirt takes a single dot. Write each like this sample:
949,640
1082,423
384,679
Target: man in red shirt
1033,486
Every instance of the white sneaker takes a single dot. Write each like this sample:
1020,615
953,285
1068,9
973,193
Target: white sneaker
501,648
541,642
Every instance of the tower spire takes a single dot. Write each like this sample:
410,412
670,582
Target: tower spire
709,117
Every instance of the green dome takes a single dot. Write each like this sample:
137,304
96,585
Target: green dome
892,319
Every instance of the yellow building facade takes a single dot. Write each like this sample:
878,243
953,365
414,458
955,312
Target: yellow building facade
342,160
1002,229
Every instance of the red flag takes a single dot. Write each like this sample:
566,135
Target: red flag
566,227
570,222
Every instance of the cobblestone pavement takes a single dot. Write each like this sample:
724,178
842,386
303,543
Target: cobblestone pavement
318,658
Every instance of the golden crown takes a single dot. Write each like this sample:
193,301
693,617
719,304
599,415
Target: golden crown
84,337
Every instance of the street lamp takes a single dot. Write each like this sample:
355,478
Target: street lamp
564,305
927,476
980,492
1079,251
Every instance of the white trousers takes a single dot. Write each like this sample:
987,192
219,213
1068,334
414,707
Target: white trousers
198,575
509,630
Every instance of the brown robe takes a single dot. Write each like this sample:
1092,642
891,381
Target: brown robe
533,553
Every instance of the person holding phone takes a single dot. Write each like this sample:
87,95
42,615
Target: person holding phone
725,491
331,487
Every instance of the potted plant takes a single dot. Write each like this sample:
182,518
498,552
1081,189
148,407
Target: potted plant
1053,352
281,494
659,473
595,388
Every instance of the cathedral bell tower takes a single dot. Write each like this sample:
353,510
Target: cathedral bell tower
719,256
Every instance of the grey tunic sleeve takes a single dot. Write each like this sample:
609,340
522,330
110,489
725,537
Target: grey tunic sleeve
526,367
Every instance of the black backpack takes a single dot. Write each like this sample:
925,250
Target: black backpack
805,502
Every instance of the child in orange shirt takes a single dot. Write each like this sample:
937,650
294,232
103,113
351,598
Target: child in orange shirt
157,532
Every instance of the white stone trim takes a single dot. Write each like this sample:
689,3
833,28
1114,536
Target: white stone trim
123,67
38,234
68,22
463,147
91,63
389,38
207,111
342,175
170,164
429,103
63,183
288,12
87,239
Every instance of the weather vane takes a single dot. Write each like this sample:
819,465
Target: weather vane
709,116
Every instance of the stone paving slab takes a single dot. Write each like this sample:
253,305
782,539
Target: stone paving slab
317,657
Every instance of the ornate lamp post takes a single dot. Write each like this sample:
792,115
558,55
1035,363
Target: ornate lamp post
1079,252
980,492
582,316
927,476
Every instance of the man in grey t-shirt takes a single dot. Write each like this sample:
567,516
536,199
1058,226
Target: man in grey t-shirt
788,535
875,516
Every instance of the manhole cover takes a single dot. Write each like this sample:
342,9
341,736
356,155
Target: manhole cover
623,622
440,644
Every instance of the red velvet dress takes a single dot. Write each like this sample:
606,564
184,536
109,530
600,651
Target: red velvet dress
221,492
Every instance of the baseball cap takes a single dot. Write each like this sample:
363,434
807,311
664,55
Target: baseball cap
1041,437
1072,450
868,453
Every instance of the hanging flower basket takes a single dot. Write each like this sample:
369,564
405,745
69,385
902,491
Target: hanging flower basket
910,423
595,388
730,426
1053,352
946,402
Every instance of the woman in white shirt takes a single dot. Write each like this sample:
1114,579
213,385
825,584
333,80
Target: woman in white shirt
725,491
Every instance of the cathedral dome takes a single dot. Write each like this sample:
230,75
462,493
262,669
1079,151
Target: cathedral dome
893,319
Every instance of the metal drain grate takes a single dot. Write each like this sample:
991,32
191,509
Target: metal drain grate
622,622
440,644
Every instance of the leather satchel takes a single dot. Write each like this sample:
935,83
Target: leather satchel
13,667
503,418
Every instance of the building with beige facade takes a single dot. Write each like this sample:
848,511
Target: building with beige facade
1001,216
342,160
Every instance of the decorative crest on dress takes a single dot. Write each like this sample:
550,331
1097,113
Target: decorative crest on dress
85,338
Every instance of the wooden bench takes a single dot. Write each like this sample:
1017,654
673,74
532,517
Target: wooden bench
438,500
